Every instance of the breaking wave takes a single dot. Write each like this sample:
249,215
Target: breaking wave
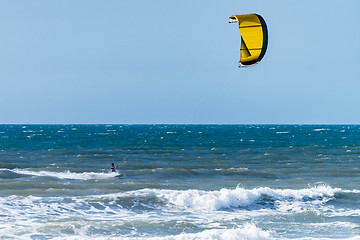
248,199
149,207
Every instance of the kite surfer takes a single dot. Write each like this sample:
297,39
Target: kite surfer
113,168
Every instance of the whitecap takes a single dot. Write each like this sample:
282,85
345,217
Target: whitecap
285,199
232,170
248,231
68,174
320,129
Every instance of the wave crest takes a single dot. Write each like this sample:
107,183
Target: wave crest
248,199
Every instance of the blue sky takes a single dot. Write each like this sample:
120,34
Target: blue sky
166,61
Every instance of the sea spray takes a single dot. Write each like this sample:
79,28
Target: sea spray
67,174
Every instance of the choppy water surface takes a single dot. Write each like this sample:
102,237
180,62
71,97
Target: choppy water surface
180,182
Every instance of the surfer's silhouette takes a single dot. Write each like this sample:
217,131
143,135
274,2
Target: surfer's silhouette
113,168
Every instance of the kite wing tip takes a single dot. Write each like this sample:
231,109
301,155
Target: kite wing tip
232,19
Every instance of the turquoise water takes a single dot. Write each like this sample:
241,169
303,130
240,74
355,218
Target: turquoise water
180,182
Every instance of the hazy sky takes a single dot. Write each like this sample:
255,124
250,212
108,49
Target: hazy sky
161,61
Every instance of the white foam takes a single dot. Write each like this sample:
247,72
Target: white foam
28,131
206,208
340,225
251,202
68,174
285,200
233,170
240,197
248,232
320,129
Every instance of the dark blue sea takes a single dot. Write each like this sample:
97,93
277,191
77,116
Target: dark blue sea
180,182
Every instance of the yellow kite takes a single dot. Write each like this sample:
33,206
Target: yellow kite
254,38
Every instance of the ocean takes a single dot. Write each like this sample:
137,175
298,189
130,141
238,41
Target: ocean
180,182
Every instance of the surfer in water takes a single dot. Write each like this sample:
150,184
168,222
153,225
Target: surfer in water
113,168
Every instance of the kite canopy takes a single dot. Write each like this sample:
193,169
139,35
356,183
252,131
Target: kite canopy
254,38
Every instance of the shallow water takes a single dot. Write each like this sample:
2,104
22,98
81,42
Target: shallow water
180,182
